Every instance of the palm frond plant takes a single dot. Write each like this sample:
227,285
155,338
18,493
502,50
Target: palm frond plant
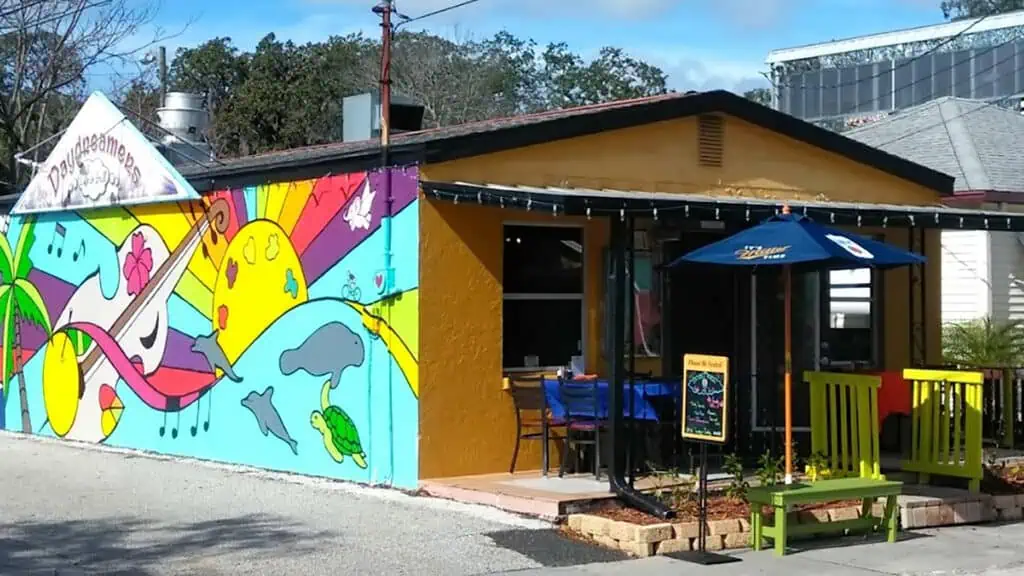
983,343
20,301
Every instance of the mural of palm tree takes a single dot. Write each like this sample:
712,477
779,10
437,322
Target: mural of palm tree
20,301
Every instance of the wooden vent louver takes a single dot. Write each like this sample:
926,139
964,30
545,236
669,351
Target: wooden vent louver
710,138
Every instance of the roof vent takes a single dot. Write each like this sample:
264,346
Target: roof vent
710,136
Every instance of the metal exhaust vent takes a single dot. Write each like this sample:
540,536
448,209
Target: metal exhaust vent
710,140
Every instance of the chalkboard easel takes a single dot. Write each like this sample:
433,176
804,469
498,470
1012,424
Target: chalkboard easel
705,420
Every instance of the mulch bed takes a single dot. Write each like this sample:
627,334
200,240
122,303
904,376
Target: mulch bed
720,507
1003,480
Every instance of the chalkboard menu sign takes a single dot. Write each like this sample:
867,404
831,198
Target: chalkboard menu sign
705,397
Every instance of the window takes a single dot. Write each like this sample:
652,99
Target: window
829,92
866,88
1004,70
984,73
962,80
849,328
922,76
942,82
542,314
904,84
812,94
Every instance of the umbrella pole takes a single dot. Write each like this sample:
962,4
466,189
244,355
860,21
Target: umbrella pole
787,279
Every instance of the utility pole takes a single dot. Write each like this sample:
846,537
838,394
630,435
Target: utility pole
162,66
385,10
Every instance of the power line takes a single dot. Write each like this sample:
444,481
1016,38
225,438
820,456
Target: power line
408,20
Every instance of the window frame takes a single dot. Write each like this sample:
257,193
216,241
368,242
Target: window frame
876,300
525,296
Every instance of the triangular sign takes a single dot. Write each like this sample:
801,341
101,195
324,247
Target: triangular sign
102,160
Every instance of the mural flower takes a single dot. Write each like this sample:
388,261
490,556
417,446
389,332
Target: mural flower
138,264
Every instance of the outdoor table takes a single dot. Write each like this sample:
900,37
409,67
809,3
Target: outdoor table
642,390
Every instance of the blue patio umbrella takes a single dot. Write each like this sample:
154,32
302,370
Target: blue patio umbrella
789,240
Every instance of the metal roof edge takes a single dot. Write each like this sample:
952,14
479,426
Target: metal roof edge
918,34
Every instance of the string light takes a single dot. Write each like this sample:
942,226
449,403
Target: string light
978,220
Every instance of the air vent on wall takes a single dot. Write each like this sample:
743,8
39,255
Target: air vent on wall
710,135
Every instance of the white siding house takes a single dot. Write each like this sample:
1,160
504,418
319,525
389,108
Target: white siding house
981,145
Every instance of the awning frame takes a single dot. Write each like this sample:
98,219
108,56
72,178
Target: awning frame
609,203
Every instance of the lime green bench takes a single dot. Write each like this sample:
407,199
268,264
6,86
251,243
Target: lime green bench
782,497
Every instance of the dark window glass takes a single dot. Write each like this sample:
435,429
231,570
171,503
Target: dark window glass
830,92
866,88
923,79
1004,70
796,104
849,327
942,82
904,84
847,90
543,260
812,94
984,73
1019,65
962,81
550,330
884,81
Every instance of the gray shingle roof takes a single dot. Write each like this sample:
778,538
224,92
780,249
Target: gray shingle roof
980,144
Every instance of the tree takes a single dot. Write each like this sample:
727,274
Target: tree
963,9
20,302
47,48
762,96
285,95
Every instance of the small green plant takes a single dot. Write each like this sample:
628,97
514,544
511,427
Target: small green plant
737,489
769,469
671,488
817,465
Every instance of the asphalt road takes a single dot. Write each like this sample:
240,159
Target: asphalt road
76,509
73,509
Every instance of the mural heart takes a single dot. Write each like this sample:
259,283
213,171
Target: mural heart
232,272
378,279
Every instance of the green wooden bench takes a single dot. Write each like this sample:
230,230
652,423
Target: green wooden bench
782,497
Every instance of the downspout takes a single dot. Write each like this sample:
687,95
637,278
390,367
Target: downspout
616,480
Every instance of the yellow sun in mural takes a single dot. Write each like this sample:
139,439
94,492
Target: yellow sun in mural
260,280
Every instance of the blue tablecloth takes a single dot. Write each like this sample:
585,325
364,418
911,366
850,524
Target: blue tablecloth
642,408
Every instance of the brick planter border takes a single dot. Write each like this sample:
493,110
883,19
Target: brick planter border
670,537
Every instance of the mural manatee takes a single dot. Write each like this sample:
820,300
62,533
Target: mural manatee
216,328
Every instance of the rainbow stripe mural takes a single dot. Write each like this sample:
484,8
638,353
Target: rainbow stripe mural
257,326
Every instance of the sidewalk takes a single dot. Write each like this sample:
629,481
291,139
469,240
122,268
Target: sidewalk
988,549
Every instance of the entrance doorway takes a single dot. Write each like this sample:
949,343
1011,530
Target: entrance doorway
707,311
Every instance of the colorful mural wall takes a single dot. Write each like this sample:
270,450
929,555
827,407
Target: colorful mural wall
259,326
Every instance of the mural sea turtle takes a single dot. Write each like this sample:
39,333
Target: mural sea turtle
340,435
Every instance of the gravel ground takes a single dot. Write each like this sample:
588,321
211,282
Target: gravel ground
76,509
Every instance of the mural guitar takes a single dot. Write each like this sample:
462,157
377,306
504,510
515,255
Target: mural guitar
129,333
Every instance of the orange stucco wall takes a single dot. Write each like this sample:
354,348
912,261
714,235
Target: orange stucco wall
466,420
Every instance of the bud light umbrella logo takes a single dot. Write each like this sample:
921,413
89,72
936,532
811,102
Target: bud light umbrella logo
850,246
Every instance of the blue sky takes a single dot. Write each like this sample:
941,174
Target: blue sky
701,44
